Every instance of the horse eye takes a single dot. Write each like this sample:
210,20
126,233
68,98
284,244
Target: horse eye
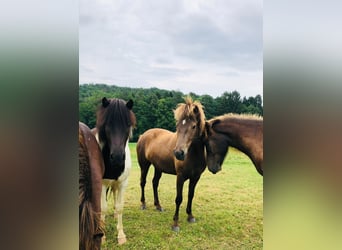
193,127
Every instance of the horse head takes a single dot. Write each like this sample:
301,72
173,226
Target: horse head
216,147
190,126
115,121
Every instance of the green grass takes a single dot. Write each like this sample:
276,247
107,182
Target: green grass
228,208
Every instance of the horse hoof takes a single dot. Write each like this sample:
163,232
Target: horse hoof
143,207
192,220
122,240
175,229
160,209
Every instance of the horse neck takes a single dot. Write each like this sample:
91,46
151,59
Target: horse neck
197,147
244,135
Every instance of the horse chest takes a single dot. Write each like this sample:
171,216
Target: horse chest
190,169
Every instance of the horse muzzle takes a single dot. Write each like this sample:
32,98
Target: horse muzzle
117,159
179,154
214,168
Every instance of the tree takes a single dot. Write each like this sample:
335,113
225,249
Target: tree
165,118
209,105
154,107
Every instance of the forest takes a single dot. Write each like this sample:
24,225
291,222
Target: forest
153,106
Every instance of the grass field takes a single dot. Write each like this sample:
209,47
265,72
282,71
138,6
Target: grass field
228,208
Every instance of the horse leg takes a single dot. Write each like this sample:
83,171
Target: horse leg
115,196
119,209
191,192
178,201
143,174
155,182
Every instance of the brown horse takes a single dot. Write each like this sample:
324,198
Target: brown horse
181,153
91,169
243,132
115,121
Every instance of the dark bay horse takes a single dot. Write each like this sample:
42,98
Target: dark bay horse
91,169
181,153
243,132
115,121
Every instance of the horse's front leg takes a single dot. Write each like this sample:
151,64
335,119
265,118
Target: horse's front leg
119,209
178,201
192,185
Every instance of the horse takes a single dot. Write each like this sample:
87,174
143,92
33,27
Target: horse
91,169
178,153
243,132
115,121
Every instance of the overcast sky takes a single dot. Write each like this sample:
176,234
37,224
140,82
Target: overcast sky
206,47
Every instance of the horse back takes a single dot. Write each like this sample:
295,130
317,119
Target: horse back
156,146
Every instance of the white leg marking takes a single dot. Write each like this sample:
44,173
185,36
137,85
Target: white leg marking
119,209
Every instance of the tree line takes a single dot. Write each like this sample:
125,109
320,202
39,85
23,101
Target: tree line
153,107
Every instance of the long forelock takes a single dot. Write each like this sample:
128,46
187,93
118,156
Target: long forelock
115,114
186,111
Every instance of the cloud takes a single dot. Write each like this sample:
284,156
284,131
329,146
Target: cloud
172,43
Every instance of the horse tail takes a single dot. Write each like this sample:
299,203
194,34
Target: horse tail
87,225
91,228
140,148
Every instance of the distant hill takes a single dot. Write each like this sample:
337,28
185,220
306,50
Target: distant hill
153,107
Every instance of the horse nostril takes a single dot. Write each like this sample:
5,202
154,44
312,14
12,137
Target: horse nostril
179,154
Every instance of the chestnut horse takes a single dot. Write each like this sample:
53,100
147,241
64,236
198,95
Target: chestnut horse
91,169
243,132
115,121
181,153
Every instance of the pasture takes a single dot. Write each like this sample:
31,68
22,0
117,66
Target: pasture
228,208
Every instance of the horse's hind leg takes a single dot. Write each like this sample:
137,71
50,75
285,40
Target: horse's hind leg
155,182
143,170
191,192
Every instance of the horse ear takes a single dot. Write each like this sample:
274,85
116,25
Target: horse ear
195,109
207,128
105,102
129,104
215,122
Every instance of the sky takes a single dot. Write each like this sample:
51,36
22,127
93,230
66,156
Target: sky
205,47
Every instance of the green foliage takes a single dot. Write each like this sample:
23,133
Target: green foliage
153,107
